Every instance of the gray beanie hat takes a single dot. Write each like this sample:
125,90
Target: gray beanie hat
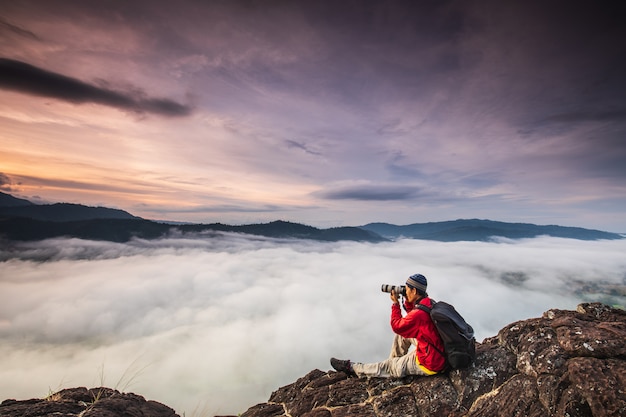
418,282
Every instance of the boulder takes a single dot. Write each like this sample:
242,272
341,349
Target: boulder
565,363
83,402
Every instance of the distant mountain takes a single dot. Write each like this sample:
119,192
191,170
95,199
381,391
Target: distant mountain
112,230
283,229
59,212
122,230
7,200
22,220
482,230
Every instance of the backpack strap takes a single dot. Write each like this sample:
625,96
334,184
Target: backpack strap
424,308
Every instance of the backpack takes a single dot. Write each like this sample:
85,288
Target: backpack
457,336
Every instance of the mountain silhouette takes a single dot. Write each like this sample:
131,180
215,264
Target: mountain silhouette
7,200
21,220
59,212
482,230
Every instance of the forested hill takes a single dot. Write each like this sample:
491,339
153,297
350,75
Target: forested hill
21,220
123,230
483,230
65,212
60,212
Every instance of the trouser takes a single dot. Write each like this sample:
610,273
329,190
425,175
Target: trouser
401,346
400,363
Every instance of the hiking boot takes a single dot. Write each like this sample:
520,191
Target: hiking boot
342,366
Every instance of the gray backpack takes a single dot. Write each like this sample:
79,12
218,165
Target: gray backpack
457,336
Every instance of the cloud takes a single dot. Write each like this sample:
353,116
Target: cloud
372,192
435,84
586,117
122,187
26,78
302,146
5,182
219,323
220,208
16,30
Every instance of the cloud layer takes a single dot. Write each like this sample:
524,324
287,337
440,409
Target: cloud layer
327,113
20,76
213,325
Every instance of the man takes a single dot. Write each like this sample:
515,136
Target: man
415,328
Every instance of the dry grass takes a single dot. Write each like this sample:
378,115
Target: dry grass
54,396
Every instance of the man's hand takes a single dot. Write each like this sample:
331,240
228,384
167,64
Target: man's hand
394,297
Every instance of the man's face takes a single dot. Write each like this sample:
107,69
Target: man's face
411,294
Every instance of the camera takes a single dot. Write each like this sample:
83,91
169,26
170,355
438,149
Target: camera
399,289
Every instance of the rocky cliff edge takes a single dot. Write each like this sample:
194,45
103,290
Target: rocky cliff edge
566,363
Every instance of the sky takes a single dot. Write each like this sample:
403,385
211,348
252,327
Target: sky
212,326
324,113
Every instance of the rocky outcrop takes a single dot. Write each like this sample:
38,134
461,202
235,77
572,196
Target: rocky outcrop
83,402
566,363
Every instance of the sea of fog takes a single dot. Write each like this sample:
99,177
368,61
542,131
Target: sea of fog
212,325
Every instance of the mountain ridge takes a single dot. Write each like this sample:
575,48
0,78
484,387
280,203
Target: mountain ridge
7,200
58,212
64,212
482,230
22,220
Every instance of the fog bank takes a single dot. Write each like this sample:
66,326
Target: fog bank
213,325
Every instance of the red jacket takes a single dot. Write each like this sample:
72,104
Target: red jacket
417,324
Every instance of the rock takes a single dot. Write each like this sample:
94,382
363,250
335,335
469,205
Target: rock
565,363
83,402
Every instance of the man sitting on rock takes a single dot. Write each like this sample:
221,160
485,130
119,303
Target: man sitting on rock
416,328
